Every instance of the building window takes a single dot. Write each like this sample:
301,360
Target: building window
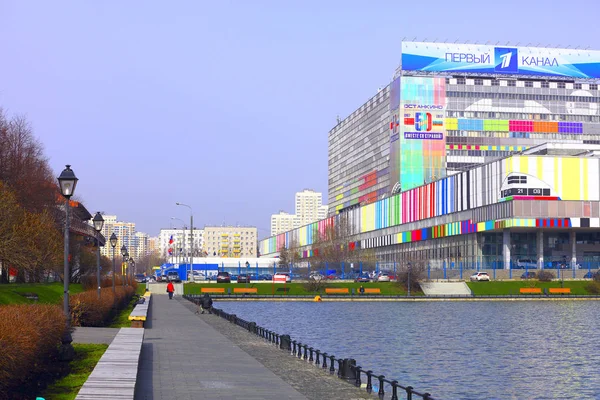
461,81
495,82
511,83
593,86
561,85
577,86
479,82
545,84
528,84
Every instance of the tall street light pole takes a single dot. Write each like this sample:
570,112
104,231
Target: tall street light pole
124,253
191,236
132,265
113,243
67,181
98,224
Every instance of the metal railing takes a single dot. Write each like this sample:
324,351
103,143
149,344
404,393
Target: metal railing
346,367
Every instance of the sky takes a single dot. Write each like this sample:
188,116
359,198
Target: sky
225,105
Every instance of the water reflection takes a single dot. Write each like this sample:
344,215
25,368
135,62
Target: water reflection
483,350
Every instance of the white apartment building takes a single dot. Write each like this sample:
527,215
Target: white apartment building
284,222
323,212
230,241
308,204
181,242
140,246
125,232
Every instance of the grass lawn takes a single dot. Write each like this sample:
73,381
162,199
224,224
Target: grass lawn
299,289
512,288
67,387
121,320
11,293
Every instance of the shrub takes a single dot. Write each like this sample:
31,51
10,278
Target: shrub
545,276
88,310
593,288
314,285
29,339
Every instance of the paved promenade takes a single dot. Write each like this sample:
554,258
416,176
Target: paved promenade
189,356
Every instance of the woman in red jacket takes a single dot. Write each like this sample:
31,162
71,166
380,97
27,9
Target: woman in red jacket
170,289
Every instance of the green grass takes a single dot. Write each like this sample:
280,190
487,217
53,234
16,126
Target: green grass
51,293
299,289
67,387
512,288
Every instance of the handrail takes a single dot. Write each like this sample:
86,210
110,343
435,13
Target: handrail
346,368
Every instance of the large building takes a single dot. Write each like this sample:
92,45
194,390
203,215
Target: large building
180,245
485,155
125,232
453,107
230,241
309,208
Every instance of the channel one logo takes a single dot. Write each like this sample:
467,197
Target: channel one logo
506,59
423,122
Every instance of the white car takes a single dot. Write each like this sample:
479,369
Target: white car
383,277
281,276
315,276
480,276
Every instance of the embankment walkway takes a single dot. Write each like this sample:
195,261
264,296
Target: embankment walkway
186,356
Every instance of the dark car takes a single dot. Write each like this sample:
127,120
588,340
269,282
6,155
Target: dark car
362,278
589,275
223,277
244,278
528,275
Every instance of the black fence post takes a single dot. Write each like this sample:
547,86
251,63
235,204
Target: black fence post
299,350
394,390
310,359
284,343
381,392
252,327
233,318
317,361
369,382
426,396
350,369
294,351
341,368
357,381
332,365
324,360
409,390
305,352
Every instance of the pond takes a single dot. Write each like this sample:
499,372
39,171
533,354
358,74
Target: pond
453,350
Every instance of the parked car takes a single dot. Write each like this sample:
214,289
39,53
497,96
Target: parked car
223,277
590,275
480,276
244,278
528,275
362,278
316,276
265,277
279,276
384,277
140,278
173,276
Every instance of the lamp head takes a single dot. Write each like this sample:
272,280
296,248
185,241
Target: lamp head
98,221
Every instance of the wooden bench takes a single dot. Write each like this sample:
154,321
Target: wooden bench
530,290
372,291
557,290
336,290
114,377
212,290
245,290
140,312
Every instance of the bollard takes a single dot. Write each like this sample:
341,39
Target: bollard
252,327
285,343
357,381
381,392
332,365
233,318
349,369
394,390
369,383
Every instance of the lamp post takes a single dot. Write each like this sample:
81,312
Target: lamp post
409,268
98,224
113,243
125,254
132,264
67,182
182,239
191,236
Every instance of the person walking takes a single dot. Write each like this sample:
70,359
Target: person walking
207,303
170,289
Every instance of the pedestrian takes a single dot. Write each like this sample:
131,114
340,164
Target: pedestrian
207,303
170,289
361,289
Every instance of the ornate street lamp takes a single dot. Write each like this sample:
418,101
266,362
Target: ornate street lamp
98,224
191,237
132,269
113,243
125,255
67,182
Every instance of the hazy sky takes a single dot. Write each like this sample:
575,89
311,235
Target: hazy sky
225,105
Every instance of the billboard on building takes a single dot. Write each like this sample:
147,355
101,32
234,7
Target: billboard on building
475,58
421,135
